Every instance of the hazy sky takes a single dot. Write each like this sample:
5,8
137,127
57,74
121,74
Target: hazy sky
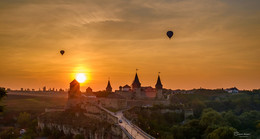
216,43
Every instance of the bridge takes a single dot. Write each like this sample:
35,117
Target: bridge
131,130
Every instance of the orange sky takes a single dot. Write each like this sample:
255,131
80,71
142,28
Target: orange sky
216,43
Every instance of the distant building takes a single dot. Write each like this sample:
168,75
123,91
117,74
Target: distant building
21,89
44,89
109,88
126,88
88,90
232,90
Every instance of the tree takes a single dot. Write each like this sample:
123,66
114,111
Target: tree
197,106
210,117
2,94
79,136
192,129
9,133
222,133
24,119
232,119
249,119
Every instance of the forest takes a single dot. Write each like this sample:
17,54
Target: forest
216,114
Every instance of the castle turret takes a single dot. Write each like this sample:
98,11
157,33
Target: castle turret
159,83
74,95
109,88
74,91
136,83
159,88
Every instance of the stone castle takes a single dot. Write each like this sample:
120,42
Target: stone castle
125,97
137,92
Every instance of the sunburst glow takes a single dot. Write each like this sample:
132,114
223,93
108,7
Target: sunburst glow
81,77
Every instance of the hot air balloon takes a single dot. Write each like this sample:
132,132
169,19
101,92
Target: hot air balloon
62,52
169,34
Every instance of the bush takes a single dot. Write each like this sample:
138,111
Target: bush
79,136
10,133
24,119
222,133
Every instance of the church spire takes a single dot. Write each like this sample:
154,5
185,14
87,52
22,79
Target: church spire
136,83
159,83
109,88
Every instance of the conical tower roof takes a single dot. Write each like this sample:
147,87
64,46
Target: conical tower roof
136,83
159,83
109,88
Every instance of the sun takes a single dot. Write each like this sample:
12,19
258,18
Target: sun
81,77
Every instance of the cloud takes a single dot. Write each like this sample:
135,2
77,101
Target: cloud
120,35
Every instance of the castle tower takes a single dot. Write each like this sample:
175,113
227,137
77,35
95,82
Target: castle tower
73,95
74,91
136,83
159,88
109,88
136,87
159,83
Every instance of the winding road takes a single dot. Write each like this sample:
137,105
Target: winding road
130,129
133,130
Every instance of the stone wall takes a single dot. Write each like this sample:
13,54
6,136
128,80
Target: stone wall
91,125
132,103
113,103
99,133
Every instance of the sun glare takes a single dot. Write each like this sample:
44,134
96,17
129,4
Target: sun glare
81,77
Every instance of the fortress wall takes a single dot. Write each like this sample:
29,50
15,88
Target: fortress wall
113,103
97,113
127,95
131,103
114,132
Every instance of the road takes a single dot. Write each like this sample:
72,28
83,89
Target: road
131,130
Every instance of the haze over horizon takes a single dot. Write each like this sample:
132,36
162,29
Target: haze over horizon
215,45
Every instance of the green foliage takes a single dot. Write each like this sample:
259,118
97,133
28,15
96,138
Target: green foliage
2,94
56,133
217,114
231,119
79,136
210,117
24,119
197,106
9,133
249,120
222,133
45,132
